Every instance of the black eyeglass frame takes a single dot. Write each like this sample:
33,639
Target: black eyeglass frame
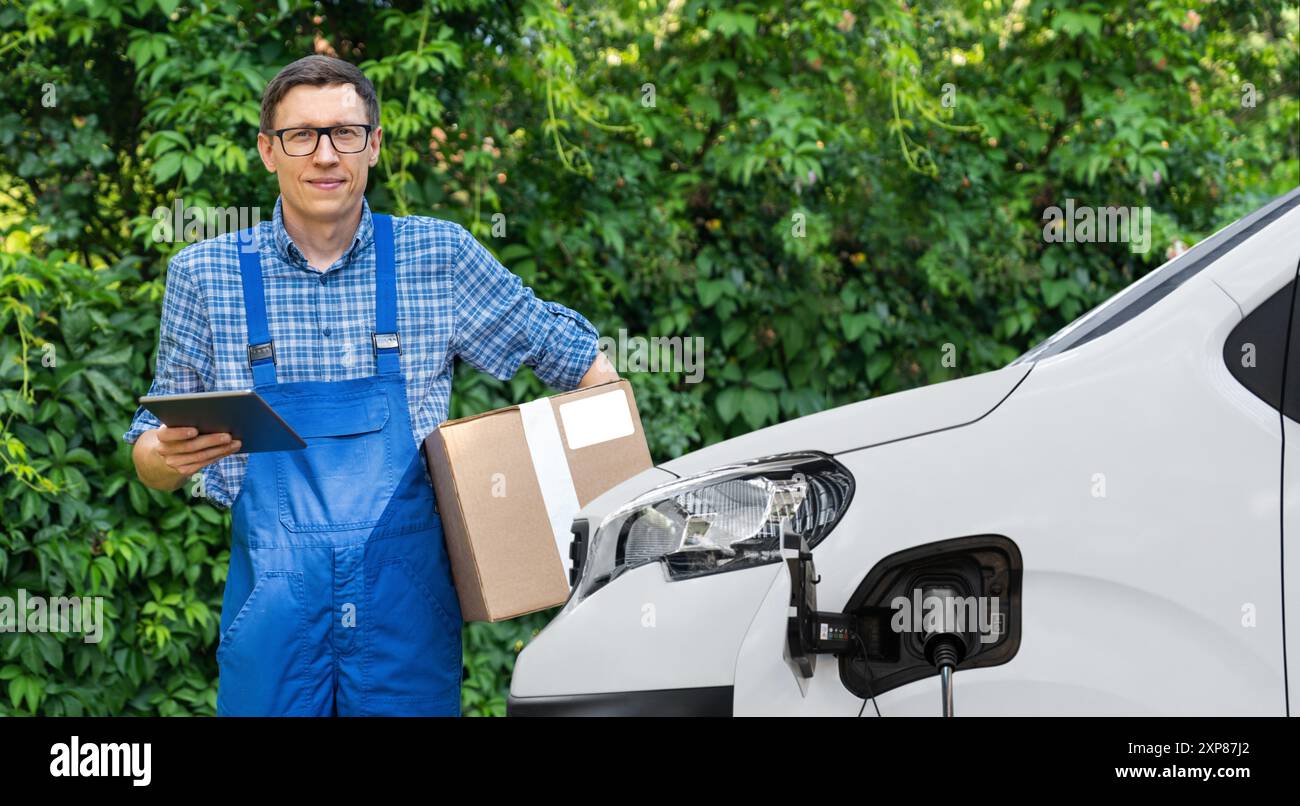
323,131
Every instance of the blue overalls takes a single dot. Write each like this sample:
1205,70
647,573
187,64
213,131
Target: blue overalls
339,599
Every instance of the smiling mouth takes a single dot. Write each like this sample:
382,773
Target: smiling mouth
325,184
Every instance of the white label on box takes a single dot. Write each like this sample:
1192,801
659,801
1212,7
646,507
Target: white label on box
552,468
596,419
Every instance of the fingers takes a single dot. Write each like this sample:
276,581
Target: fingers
174,446
169,434
189,463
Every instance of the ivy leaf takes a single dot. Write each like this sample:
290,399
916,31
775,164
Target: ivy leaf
728,403
768,379
758,407
167,166
854,324
878,365
711,291
193,168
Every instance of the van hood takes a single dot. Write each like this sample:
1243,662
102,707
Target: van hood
865,423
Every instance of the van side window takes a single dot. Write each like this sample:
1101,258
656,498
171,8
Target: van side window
1255,351
1291,378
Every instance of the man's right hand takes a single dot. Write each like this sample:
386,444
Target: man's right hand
165,457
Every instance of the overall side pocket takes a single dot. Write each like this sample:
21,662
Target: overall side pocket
262,655
413,645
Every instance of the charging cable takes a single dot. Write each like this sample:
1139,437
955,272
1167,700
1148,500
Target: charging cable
945,651
870,677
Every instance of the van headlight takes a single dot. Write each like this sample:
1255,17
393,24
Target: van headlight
727,519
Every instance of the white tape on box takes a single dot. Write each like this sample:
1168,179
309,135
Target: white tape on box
552,468
595,419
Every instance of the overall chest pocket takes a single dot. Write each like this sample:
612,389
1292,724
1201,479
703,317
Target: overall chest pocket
344,478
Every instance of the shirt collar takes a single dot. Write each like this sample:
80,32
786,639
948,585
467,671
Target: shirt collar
288,250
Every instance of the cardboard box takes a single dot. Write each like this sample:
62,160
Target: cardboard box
508,483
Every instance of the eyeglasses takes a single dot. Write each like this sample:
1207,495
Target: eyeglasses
348,138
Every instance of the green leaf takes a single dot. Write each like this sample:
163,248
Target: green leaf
167,166
193,168
729,23
139,500
768,379
1073,23
106,387
50,650
854,324
758,407
107,569
705,107
728,404
208,514
1054,291
79,456
710,291
878,365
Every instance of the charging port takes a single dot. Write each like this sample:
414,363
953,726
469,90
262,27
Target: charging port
929,610
950,605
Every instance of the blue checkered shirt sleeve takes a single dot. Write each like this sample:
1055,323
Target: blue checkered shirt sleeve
500,323
185,362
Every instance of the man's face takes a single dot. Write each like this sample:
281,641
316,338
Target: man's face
325,186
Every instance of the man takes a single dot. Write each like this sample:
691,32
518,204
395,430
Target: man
339,597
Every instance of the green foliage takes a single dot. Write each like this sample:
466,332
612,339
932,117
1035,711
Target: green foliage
786,181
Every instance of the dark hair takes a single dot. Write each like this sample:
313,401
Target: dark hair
317,71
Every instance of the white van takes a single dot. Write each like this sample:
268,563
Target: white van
1108,525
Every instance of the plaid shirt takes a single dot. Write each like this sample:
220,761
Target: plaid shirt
453,299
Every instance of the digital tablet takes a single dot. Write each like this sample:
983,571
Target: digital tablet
241,413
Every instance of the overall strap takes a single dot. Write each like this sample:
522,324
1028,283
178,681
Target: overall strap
387,345
261,351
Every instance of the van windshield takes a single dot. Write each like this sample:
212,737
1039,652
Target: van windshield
1157,284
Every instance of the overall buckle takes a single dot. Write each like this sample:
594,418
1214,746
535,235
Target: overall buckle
386,341
265,349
